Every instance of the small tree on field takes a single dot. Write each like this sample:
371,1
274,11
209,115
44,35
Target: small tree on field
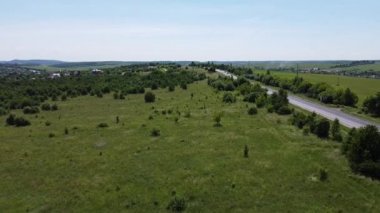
150,97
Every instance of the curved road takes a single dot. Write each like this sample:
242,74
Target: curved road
325,111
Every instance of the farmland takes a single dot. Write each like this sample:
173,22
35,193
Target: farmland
124,168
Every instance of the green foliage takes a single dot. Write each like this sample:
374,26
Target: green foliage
31,110
321,91
150,97
12,120
335,131
363,151
228,97
322,128
46,107
371,105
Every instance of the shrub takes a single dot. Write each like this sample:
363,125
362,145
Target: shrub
177,205
102,125
284,110
10,120
54,107
228,97
155,132
31,110
184,86
20,122
66,131
323,175
171,88
63,97
46,107
51,135
150,97
246,151
121,96
47,123
115,96
252,111
261,101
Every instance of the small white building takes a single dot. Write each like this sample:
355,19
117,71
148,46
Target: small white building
97,71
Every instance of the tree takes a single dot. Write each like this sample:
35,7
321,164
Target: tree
349,98
150,97
364,152
322,128
335,131
371,105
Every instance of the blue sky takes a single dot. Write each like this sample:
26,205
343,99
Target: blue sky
89,30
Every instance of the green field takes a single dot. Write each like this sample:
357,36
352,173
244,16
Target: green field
363,87
124,168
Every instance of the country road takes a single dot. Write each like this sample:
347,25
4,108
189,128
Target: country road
330,113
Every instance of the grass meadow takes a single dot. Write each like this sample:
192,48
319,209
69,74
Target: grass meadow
123,168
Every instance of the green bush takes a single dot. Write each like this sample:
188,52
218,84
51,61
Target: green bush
150,97
284,110
155,132
323,175
45,107
228,97
363,151
102,125
31,110
252,111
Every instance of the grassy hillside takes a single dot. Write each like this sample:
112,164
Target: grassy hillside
124,168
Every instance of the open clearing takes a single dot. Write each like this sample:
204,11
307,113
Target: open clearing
124,168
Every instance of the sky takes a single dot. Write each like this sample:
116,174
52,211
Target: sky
202,30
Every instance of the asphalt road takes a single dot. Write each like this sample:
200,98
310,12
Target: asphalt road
330,113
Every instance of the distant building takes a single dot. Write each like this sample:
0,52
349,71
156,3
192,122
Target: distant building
97,71
55,75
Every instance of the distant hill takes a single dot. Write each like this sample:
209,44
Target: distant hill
33,62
